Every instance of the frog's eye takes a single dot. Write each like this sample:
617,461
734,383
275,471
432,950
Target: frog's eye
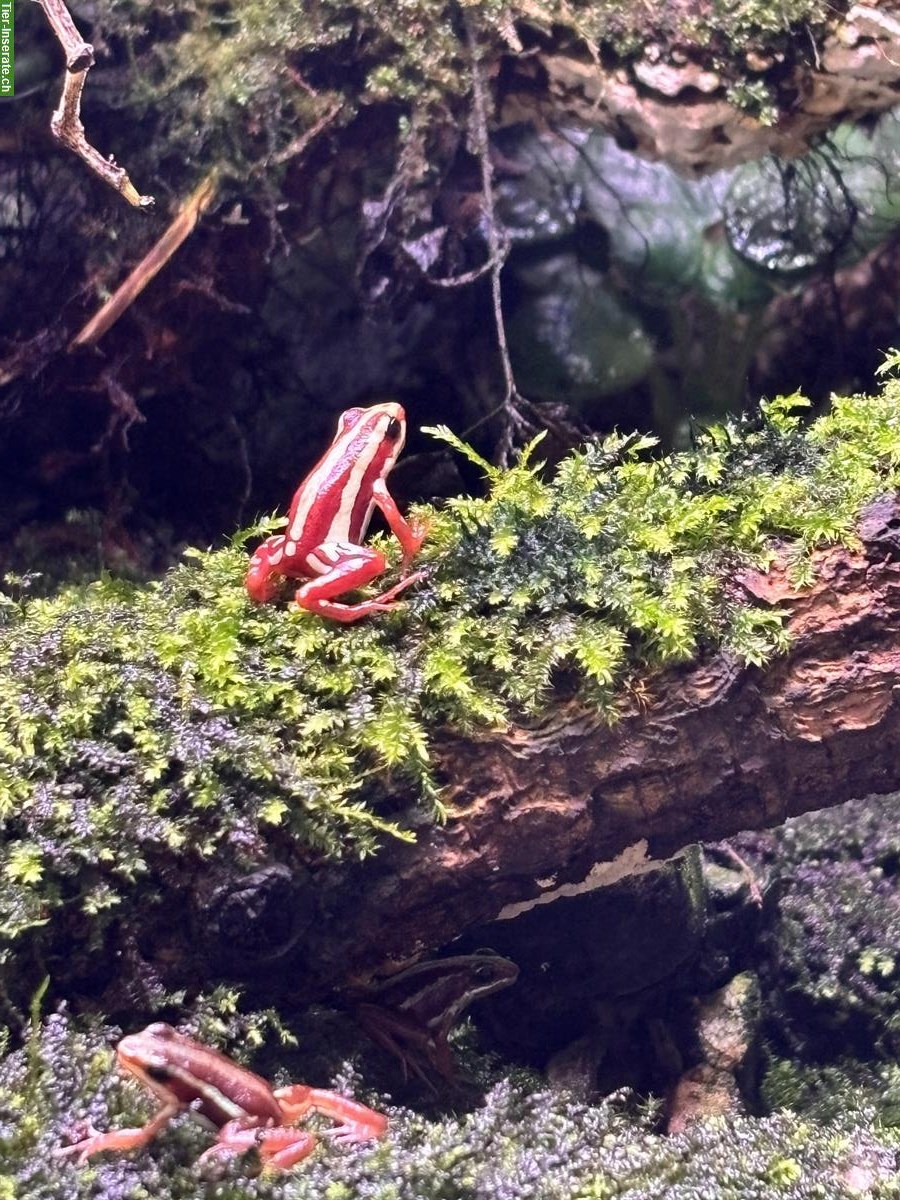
157,1072
394,429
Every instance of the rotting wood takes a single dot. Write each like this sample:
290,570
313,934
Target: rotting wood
572,803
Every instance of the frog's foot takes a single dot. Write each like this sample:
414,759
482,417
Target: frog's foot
264,573
118,1139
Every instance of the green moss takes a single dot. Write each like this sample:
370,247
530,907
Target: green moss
175,721
740,19
755,98
845,1087
732,25
219,83
519,1144
782,1172
236,83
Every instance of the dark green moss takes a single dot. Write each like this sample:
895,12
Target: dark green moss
234,84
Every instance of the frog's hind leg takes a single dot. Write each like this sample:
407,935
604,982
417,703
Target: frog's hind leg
343,567
356,1122
278,1147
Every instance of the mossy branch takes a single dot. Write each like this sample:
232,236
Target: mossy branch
178,724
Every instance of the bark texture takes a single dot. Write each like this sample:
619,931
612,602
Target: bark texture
713,748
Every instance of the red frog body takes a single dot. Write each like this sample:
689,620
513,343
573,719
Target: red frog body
237,1103
329,516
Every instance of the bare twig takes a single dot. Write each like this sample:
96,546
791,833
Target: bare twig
299,144
746,870
150,265
66,122
519,417
453,281
495,255
124,412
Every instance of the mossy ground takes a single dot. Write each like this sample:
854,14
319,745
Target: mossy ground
521,1144
176,721
832,1129
144,722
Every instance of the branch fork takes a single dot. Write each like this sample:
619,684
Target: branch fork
66,124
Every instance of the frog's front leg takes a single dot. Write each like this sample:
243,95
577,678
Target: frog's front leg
279,1147
266,569
357,1123
120,1139
342,567
410,536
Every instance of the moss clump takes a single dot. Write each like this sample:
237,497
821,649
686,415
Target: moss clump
174,722
519,1145
236,83
830,961
828,1092
731,26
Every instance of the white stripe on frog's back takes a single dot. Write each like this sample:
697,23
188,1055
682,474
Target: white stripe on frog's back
339,527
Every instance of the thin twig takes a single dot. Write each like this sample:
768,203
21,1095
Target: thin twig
519,417
756,895
495,256
65,123
453,281
150,265
299,144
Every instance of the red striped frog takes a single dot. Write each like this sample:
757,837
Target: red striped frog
239,1105
329,516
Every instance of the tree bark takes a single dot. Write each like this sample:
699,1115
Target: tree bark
571,804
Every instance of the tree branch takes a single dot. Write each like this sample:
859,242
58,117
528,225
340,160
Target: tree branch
66,123
570,804
180,228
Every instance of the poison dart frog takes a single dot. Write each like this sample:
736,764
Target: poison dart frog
329,516
240,1105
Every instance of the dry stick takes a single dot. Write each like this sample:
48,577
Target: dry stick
152,262
299,144
453,281
66,122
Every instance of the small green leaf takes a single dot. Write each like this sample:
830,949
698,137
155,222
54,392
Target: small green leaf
445,434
